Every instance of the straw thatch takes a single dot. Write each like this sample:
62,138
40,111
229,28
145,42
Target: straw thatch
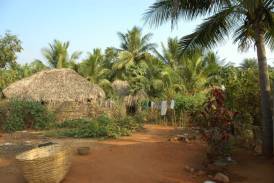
63,91
54,85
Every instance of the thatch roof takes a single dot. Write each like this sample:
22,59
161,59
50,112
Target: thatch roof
54,85
120,87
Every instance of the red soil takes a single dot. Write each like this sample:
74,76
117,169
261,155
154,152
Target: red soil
148,157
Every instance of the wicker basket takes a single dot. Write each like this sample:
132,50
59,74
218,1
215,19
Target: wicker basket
47,164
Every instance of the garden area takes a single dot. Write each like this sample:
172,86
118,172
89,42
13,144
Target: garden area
178,113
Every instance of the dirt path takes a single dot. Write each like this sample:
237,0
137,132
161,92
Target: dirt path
148,157
142,158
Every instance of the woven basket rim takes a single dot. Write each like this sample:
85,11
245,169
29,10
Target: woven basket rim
40,153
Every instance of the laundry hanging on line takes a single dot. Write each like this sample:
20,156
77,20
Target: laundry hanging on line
163,108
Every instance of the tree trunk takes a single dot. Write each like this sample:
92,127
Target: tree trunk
267,122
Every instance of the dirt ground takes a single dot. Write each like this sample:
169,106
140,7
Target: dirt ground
147,157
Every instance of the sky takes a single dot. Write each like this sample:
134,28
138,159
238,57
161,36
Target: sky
89,24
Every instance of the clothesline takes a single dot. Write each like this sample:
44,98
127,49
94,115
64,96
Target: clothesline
163,106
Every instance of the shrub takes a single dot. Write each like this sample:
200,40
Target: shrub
107,127
27,115
88,130
189,103
243,95
103,126
4,108
188,107
128,125
75,123
217,125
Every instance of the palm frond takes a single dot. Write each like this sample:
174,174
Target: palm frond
244,37
210,32
164,10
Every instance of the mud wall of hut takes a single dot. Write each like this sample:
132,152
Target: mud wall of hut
74,110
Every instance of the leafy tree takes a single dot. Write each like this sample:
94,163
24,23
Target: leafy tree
17,72
134,48
249,63
194,68
93,67
57,55
171,54
251,21
9,46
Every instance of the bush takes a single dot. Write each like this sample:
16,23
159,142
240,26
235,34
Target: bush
103,126
190,103
75,123
107,127
4,108
27,115
88,130
217,125
242,94
188,107
129,124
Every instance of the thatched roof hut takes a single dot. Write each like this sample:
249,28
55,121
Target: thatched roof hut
54,85
134,99
131,101
63,91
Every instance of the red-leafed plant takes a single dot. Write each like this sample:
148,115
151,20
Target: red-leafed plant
217,125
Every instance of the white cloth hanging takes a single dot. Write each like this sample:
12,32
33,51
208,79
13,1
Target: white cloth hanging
172,104
163,108
152,105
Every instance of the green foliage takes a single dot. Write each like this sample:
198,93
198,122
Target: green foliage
190,103
9,46
72,123
27,115
217,124
4,108
243,95
134,48
103,126
87,129
17,72
57,55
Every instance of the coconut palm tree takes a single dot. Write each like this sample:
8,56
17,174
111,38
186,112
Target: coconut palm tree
57,55
133,49
250,22
171,54
195,68
93,67
95,70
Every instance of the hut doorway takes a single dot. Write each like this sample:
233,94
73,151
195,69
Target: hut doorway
131,109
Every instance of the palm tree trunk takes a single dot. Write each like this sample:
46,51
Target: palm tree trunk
267,122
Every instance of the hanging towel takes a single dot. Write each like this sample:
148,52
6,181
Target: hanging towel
172,104
152,105
163,108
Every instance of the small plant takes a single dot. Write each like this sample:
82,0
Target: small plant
217,127
27,115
